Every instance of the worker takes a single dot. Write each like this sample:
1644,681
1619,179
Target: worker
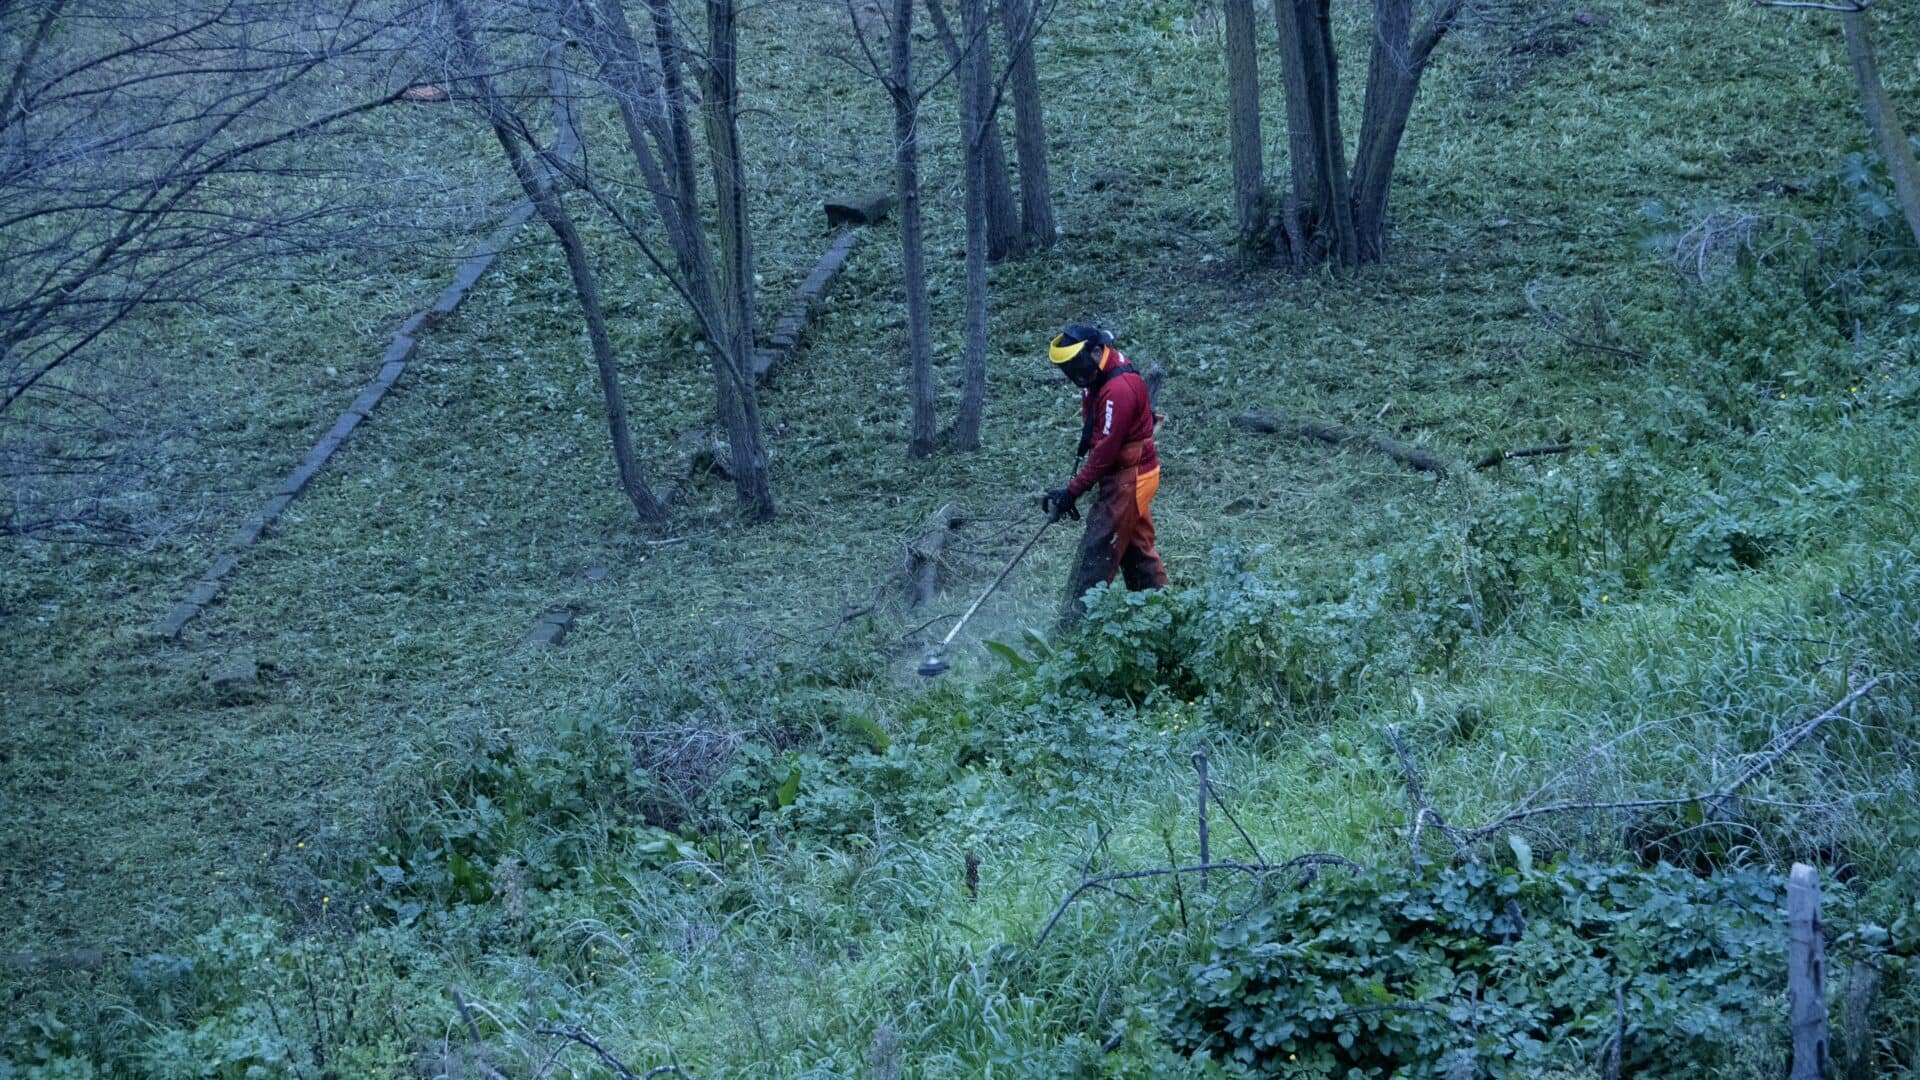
1116,438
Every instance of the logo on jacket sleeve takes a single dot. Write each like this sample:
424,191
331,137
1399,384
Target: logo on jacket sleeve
1107,428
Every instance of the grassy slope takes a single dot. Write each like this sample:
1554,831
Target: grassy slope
391,601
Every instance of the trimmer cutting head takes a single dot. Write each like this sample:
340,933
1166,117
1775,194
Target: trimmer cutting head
933,665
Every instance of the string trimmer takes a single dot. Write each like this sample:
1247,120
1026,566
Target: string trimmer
936,661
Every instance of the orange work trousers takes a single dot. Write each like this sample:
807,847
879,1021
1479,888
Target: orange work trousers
1118,539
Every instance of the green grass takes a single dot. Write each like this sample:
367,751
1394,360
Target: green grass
390,602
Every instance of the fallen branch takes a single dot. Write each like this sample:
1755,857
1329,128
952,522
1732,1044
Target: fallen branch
1422,809
1312,858
477,1046
1848,7
1491,460
579,1035
1337,435
1779,748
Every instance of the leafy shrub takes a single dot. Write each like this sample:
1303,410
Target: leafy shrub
1249,644
550,810
1502,972
1866,185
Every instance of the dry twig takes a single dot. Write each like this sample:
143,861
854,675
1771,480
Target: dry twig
1559,326
1845,7
574,1033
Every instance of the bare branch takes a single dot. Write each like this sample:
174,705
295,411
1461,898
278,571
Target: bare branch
1779,748
1311,859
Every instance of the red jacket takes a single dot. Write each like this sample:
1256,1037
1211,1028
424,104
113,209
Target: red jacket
1115,414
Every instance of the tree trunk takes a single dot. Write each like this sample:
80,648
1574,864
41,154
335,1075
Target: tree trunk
913,245
1003,215
586,287
1018,18
1882,118
1310,76
1331,214
1243,123
975,77
733,357
923,553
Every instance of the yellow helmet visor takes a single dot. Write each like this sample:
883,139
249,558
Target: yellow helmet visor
1060,352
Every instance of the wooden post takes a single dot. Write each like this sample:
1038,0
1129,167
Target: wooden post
1806,975
1200,766
1856,1033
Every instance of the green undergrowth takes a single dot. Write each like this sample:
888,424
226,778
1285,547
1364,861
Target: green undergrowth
781,867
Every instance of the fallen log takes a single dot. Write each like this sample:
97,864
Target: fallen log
1338,435
858,210
924,550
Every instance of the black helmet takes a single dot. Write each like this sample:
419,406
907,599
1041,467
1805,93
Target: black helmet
1069,350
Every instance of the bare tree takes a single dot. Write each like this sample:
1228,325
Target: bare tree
983,158
980,93
476,81
978,129
1243,123
896,76
148,156
649,89
1331,213
913,244
1004,237
647,84
1883,120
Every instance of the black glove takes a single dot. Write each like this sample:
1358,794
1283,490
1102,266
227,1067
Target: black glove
1058,503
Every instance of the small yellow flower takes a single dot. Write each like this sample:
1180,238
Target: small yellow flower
1783,397
1606,598
301,844
1853,389
326,899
